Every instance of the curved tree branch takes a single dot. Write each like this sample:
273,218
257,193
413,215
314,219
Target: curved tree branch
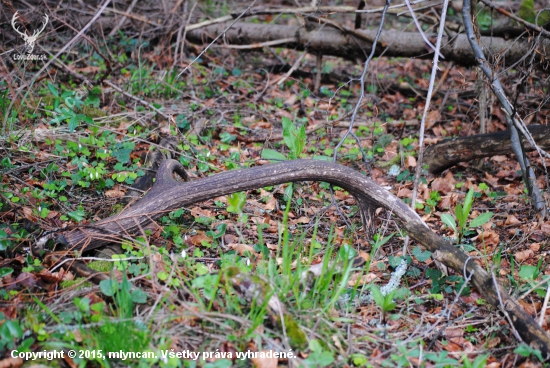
167,194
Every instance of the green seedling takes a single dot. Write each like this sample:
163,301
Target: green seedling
294,138
385,302
461,227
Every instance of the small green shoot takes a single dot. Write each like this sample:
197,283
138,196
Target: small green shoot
462,212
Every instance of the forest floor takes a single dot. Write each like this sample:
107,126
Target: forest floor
70,153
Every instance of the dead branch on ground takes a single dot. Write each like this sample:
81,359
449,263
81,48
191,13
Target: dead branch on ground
331,41
450,152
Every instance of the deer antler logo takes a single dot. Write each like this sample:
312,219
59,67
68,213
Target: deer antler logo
29,40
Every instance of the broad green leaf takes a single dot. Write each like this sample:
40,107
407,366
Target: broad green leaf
235,202
5,271
481,219
108,287
315,346
163,275
77,215
294,138
527,272
420,255
449,221
270,154
377,296
10,330
527,11
468,201
458,213
138,296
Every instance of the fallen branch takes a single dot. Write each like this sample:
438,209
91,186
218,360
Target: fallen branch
167,194
450,152
331,41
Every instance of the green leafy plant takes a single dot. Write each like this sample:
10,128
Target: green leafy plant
461,227
385,303
479,361
526,351
294,138
318,357
235,203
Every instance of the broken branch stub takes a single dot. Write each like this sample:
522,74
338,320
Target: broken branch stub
168,194
450,152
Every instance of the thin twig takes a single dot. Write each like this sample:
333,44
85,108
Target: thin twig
502,306
427,106
544,306
291,70
258,45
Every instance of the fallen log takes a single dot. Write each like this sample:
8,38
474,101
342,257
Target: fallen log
330,41
168,194
450,152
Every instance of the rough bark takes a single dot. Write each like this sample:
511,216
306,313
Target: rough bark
167,194
330,41
449,152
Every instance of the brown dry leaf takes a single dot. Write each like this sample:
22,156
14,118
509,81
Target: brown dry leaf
545,227
409,114
197,240
47,276
447,201
364,255
490,237
271,201
261,125
302,220
529,364
493,342
309,102
197,211
411,161
528,307
523,255
444,185
340,195
453,332
52,214
404,192
491,180
11,363
512,220
535,247
68,276
271,246
432,118
499,158
263,362
27,212
113,193
365,279
291,100
241,248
